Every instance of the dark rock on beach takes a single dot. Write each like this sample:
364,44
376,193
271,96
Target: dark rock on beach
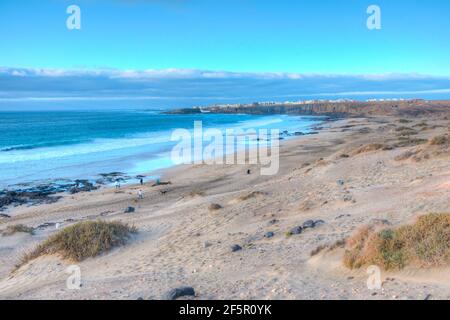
235,248
46,225
107,178
32,196
207,244
308,224
269,235
342,216
129,210
10,197
214,207
47,192
180,292
82,186
347,198
43,193
318,222
296,230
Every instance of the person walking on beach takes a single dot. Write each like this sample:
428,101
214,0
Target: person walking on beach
140,195
117,184
141,181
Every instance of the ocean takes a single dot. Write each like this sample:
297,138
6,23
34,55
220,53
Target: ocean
40,146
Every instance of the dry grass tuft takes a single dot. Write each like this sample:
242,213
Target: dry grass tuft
439,140
196,193
83,240
306,205
318,250
436,146
405,131
409,142
370,147
406,155
251,195
421,124
17,228
327,247
426,243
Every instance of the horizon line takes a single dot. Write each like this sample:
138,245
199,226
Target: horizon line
204,73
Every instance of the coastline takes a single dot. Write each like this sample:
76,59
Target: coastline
182,242
31,193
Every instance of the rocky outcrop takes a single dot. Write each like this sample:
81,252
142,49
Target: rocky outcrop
331,109
29,196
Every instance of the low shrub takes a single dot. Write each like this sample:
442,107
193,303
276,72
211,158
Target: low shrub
439,140
370,147
83,240
10,230
425,243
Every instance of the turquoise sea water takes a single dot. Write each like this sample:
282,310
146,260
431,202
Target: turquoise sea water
37,146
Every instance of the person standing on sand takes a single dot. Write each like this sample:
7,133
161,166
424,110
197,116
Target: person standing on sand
117,184
141,181
140,195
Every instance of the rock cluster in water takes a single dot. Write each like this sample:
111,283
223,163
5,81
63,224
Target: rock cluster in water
48,192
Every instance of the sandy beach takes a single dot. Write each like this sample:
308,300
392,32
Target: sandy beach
353,172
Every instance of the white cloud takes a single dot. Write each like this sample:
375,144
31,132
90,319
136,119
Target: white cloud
103,84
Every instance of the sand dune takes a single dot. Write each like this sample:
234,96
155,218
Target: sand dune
346,176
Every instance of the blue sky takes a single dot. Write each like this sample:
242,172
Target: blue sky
234,35
218,51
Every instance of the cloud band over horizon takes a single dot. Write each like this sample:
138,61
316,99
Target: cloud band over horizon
26,84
